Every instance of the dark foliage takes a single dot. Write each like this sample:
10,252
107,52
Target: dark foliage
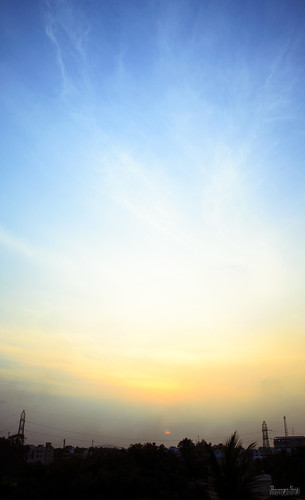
286,469
232,476
144,472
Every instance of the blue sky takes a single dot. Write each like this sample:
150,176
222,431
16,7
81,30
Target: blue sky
152,214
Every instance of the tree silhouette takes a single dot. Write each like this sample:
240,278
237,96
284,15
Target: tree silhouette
231,476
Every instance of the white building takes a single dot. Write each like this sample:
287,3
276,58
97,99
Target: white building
40,453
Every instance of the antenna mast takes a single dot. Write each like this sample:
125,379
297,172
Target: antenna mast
285,427
266,444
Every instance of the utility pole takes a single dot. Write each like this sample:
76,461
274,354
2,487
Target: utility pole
266,445
285,427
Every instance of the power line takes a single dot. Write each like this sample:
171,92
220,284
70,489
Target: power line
92,434
58,437
97,437
58,429
10,428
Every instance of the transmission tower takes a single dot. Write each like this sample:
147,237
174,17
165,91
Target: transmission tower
21,428
285,427
266,444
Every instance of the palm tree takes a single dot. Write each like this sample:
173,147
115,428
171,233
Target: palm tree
231,475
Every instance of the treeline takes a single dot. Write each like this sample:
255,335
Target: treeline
146,472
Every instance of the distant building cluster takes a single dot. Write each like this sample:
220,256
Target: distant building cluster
289,442
46,454
40,453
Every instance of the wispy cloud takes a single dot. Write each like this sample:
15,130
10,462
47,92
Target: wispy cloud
41,256
51,34
148,193
67,32
15,244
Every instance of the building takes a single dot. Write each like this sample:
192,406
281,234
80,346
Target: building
289,442
40,453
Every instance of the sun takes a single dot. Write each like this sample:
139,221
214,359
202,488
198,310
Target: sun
167,432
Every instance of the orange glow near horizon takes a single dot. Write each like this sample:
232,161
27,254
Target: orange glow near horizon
183,376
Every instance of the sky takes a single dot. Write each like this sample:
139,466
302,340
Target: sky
152,210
